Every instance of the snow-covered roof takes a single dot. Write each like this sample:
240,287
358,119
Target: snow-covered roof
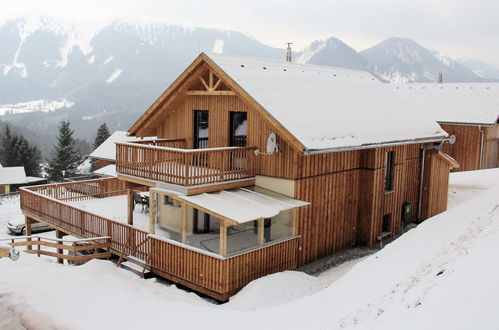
465,103
243,205
12,175
34,179
328,107
108,171
107,150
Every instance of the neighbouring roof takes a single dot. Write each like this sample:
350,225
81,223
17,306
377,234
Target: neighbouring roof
328,107
107,150
243,205
108,170
16,175
463,103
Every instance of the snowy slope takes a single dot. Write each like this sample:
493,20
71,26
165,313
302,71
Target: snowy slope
440,275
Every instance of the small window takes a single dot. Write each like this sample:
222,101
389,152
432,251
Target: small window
386,225
389,171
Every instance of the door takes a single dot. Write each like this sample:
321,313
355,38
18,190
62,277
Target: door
201,120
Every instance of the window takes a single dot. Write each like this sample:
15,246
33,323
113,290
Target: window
238,128
201,129
389,171
386,224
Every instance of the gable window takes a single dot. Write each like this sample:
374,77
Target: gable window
238,128
389,171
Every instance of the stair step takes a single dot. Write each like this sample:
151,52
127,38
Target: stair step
132,266
135,260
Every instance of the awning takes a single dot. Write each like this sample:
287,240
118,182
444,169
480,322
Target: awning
243,205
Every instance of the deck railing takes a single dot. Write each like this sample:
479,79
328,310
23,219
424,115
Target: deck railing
186,167
49,203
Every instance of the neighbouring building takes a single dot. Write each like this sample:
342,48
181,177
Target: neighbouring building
469,112
258,167
11,178
104,156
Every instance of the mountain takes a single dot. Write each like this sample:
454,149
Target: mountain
332,52
481,69
403,60
111,73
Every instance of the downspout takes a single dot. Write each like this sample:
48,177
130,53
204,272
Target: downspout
421,174
482,134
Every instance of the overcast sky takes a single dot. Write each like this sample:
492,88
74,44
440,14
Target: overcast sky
465,27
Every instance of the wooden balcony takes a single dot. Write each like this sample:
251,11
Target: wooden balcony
158,161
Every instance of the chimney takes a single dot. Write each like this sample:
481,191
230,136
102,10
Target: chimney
440,78
288,51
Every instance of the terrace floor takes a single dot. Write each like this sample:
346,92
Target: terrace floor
114,208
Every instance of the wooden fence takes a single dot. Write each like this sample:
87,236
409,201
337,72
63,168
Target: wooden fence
186,167
220,277
73,247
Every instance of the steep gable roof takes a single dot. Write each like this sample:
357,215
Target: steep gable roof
107,150
320,108
463,103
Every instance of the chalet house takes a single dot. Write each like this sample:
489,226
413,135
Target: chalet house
13,177
469,112
258,167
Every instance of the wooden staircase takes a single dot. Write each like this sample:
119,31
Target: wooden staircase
135,265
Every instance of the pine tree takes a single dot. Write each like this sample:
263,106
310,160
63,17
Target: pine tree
6,143
102,135
18,152
66,157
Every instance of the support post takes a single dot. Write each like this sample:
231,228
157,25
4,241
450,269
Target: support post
184,223
59,234
130,206
261,231
152,212
295,221
223,238
29,231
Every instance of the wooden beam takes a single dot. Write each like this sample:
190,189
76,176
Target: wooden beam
223,238
28,230
184,222
129,194
261,231
217,83
152,212
59,234
211,81
211,93
295,221
204,83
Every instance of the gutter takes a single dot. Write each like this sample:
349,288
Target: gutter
421,174
374,145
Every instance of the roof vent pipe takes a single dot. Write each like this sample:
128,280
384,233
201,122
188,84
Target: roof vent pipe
288,51
440,78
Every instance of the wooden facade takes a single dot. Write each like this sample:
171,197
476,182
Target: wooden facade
476,147
350,202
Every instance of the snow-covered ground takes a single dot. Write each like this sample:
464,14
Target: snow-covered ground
440,275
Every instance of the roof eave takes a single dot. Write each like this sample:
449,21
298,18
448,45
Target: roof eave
308,152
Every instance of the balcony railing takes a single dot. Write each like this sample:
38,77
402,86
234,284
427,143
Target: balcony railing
186,167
